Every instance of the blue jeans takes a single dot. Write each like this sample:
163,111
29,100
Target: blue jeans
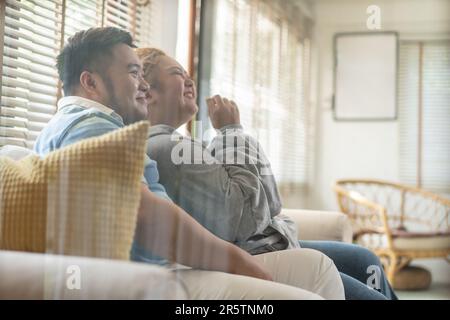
359,268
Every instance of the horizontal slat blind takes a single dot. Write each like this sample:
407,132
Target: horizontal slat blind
150,19
122,14
32,40
436,116
29,79
260,61
138,20
435,130
80,15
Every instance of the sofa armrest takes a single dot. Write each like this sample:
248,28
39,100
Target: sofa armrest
321,225
43,276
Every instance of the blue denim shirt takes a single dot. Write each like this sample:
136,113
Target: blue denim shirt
79,118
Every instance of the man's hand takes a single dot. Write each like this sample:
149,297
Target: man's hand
168,231
222,112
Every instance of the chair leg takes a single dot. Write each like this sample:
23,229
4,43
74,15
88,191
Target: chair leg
392,268
403,262
389,262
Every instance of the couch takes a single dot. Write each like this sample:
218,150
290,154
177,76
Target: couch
25,275
44,276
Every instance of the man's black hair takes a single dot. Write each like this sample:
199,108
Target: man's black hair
88,50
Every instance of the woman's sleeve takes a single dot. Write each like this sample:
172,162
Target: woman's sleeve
229,199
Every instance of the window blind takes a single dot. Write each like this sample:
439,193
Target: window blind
140,20
260,59
29,79
121,14
424,114
31,41
80,15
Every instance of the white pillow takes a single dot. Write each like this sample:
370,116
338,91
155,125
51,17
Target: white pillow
15,152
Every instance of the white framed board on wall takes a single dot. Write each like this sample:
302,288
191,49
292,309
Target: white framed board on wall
365,76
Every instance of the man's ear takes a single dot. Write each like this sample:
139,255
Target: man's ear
89,82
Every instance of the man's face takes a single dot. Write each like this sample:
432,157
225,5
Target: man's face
124,88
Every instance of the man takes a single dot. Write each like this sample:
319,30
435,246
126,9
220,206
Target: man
105,90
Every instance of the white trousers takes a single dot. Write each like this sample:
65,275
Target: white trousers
298,274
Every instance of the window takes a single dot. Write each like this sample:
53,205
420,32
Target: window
31,39
259,53
29,79
424,114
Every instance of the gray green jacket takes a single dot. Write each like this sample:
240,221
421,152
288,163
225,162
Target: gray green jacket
228,186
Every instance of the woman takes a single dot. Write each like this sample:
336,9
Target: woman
228,186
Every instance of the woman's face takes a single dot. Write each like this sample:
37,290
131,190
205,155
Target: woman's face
172,97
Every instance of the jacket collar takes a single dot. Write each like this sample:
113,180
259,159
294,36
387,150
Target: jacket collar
159,129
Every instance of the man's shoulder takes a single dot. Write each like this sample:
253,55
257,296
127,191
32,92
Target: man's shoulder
77,117
91,119
72,124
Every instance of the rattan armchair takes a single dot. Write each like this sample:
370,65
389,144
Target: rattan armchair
399,223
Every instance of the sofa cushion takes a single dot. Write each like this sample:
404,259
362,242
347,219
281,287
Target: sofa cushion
15,152
320,225
45,276
438,242
79,200
420,240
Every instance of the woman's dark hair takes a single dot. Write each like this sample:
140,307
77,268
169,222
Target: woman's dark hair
88,50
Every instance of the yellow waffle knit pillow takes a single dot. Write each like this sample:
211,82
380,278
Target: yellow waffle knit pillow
80,200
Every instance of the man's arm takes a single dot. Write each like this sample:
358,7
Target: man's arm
170,232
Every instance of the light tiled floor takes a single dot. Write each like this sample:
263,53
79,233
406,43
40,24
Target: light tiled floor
437,291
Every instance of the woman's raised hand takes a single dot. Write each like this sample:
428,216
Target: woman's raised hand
222,112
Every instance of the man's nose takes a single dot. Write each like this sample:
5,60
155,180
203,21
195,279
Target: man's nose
143,85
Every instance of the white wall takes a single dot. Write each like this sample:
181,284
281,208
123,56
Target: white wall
165,18
362,149
172,17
